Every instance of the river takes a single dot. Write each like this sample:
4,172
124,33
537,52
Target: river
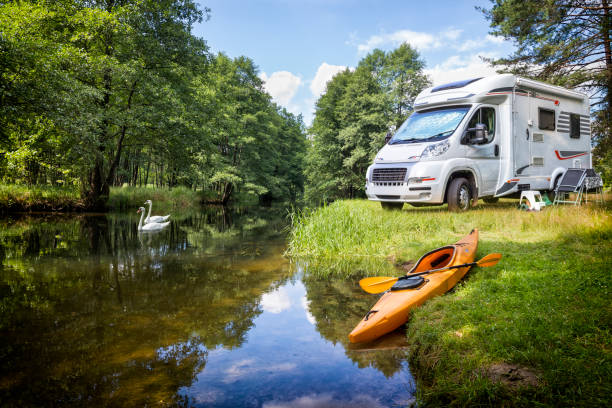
206,313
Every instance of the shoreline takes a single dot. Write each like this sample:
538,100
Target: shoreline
529,331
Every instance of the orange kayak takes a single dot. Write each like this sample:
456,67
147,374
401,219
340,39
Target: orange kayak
393,307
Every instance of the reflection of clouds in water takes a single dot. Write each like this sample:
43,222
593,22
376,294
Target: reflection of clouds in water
208,396
306,306
325,401
249,367
277,301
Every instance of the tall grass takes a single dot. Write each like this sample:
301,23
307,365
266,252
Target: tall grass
49,198
39,198
357,237
543,310
122,198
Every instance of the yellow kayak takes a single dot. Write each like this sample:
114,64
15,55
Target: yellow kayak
393,307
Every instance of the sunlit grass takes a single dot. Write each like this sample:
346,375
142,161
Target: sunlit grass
41,198
544,308
122,198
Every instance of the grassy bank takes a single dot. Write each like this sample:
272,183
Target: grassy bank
16,198
122,198
20,198
535,329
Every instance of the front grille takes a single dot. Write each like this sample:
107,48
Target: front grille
388,197
391,174
523,187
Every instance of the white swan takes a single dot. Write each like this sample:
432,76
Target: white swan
155,218
153,226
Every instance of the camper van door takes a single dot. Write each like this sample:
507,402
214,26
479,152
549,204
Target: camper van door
484,152
522,134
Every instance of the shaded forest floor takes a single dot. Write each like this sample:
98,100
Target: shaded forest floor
533,330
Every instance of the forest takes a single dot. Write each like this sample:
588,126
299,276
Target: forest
107,93
97,94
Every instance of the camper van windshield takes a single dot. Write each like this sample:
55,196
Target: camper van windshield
429,126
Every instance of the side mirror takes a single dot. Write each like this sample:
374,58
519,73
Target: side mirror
388,137
476,135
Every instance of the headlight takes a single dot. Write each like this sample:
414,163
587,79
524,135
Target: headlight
435,149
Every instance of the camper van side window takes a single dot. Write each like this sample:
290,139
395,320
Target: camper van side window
574,126
546,119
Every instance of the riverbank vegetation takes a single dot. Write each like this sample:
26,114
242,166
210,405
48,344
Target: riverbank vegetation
532,330
22,198
97,94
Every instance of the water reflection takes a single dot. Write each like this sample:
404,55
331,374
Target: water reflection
206,312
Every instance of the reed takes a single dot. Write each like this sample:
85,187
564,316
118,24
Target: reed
122,198
15,197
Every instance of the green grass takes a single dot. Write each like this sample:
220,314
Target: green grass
38,198
545,308
14,198
122,198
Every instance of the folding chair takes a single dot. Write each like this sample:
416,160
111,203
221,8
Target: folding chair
572,182
593,184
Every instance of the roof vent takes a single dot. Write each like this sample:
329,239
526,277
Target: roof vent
455,85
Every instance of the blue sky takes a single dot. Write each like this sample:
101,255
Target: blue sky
299,45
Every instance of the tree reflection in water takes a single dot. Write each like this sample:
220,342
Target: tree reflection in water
344,306
93,313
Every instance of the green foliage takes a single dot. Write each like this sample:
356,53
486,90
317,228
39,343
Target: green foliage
353,116
544,307
106,93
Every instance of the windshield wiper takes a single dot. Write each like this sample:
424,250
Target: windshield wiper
425,139
412,139
430,138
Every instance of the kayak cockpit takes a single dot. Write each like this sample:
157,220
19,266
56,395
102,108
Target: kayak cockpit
436,259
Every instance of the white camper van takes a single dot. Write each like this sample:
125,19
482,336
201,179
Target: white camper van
482,138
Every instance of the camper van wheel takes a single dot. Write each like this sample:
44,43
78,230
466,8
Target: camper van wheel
459,195
490,200
391,206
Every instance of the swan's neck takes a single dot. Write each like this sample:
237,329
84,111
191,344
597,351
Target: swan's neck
140,222
150,207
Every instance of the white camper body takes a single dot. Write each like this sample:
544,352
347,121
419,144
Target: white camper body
487,137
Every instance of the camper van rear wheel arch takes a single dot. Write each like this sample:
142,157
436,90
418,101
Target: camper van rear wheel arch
459,195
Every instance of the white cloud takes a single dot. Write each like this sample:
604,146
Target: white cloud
326,401
276,301
251,367
424,41
495,40
323,75
452,33
415,39
281,85
306,306
456,68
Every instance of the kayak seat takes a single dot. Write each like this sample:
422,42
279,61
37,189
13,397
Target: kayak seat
439,260
436,259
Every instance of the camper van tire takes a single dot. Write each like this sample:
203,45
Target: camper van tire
459,194
391,206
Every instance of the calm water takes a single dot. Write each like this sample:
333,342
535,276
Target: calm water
206,313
